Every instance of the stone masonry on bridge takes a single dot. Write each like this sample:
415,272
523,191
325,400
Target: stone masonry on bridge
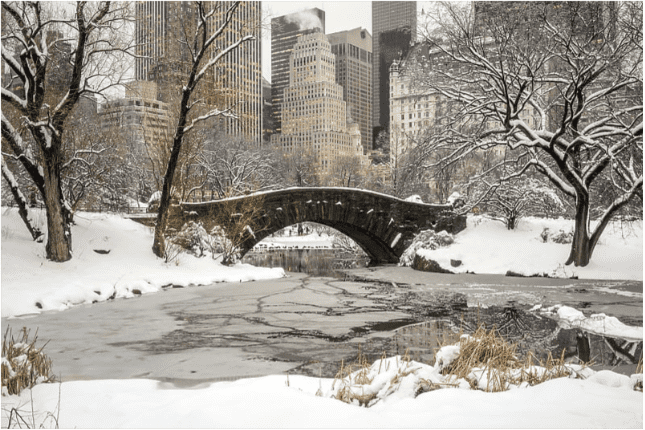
383,226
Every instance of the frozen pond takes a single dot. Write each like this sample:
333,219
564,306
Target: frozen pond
306,324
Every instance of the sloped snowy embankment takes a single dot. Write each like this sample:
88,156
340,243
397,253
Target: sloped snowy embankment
29,279
486,246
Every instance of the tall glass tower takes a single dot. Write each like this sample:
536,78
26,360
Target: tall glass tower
394,27
236,81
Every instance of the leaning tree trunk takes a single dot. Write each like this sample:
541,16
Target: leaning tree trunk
20,200
59,235
159,244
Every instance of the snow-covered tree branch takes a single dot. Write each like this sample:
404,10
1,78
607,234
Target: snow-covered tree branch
555,86
208,44
38,99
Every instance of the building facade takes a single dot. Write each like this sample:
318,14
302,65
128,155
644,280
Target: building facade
285,31
353,51
394,28
236,80
314,115
139,117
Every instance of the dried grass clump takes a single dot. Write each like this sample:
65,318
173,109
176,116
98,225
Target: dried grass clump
362,368
639,370
489,363
23,365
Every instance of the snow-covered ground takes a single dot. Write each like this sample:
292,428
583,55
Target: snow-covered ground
486,246
31,284
603,399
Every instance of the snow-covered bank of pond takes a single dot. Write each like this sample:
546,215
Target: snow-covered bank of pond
31,284
486,246
602,400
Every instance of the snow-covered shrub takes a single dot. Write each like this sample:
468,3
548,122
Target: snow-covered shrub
171,252
193,238
562,237
427,239
23,365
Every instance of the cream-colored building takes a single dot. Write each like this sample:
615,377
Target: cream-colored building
314,115
139,117
415,108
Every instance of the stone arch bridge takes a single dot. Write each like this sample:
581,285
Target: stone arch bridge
383,226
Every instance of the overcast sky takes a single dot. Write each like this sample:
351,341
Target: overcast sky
339,16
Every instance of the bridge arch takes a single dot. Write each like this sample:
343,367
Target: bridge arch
383,226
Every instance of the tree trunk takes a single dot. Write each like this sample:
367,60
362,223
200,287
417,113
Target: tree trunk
159,244
59,235
20,200
581,247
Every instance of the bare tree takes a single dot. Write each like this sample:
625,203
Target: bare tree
206,44
235,167
20,200
300,168
557,85
29,34
513,200
346,171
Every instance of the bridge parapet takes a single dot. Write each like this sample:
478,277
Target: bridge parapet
383,226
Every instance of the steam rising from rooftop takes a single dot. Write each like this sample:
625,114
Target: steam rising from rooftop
306,19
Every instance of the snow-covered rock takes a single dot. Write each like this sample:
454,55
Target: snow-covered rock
414,198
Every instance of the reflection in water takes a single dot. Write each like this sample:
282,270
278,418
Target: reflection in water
317,262
440,319
530,332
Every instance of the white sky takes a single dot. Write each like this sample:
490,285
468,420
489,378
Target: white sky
339,16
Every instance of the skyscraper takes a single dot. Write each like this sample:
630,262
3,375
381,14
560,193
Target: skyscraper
394,26
353,50
314,115
284,35
236,81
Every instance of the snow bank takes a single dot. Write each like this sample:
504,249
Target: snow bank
31,284
603,400
597,323
486,246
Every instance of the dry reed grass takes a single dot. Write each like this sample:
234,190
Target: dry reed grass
362,368
23,365
489,363
639,370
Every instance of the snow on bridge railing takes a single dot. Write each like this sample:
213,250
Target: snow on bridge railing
197,201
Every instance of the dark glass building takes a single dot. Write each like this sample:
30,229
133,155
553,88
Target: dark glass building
394,27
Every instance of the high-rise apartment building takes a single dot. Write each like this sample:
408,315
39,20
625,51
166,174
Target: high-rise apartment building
353,50
235,82
284,35
394,27
314,115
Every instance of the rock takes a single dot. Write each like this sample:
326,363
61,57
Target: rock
515,274
136,291
427,265
455,263
102,251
